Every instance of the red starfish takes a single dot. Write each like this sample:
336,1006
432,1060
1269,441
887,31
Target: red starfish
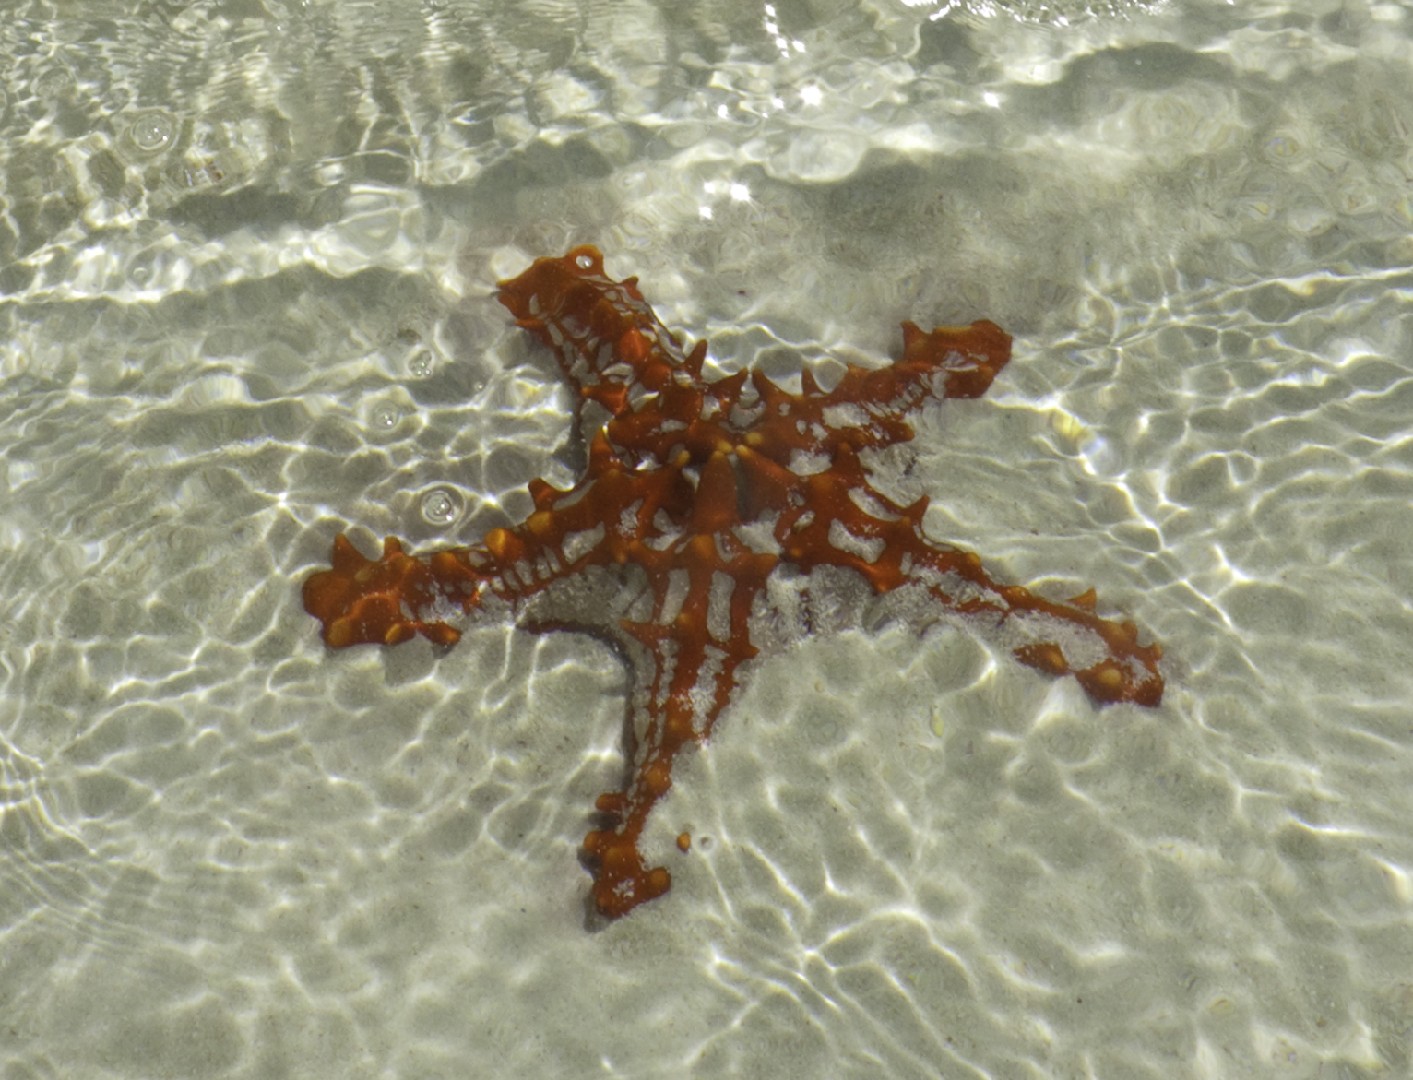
705,488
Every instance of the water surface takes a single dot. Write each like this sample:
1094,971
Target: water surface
247,256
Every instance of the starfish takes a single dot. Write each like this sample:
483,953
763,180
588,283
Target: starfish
694,493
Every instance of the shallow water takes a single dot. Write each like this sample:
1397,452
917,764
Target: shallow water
247,255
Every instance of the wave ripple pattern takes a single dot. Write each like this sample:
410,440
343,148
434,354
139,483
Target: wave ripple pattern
248,252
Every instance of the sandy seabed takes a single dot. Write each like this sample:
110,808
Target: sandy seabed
246,302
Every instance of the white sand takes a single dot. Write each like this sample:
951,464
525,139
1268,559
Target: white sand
225,852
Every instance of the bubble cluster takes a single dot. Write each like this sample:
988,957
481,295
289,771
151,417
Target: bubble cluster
421,365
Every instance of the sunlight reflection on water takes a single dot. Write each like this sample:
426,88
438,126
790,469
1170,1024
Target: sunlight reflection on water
246,265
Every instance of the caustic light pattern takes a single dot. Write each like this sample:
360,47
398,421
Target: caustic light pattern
695,493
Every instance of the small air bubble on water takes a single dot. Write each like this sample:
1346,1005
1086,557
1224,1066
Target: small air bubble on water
421,364
56,82
152,130
440,507
1283,147
385,417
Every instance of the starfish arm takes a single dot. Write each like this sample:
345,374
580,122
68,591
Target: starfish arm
947,361
865,408
1117,668
389,600
695,644
398,596
607,340
891,552
967,357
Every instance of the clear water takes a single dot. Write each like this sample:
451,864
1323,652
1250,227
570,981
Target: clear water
247,251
